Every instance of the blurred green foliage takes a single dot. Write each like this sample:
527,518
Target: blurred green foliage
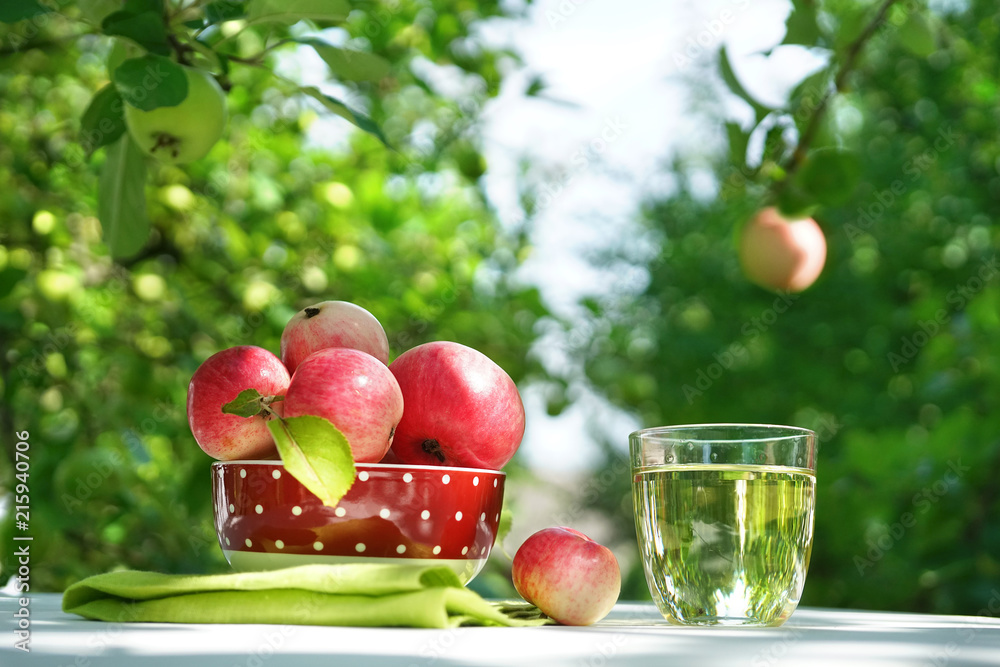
97,354
892,356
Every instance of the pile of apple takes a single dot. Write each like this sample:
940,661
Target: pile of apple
461,409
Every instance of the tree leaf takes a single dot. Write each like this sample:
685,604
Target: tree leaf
807,96
738,140
729,77
344,111
121,198
151,81
852,22
225,10
103,122
12,11
120,52
917,35
316,453
829,176
350,65
801,26
95,11
144,28
9,278
246,404
794,203
293,11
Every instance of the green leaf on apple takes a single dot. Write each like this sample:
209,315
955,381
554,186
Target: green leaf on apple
246,404
151,81
121,198
316,453
103,122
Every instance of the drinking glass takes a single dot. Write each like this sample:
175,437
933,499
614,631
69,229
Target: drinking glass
724,518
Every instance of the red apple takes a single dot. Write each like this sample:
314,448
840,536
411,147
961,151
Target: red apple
571,578
779,254
217,382
353,390
461,408
332,324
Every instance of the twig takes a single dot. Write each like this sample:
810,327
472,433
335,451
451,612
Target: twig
257,60
180,48
853,51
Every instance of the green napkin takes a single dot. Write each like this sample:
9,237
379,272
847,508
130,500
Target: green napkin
352,594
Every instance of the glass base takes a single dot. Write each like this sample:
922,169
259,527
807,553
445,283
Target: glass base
725,621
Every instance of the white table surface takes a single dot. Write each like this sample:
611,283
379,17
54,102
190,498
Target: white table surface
634,634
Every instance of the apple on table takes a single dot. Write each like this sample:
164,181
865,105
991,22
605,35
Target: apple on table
568,576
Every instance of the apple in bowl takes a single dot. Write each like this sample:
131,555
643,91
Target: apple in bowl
461,408
332,324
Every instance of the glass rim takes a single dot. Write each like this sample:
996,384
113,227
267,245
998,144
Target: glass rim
668,432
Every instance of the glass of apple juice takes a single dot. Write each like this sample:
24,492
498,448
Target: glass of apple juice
724,518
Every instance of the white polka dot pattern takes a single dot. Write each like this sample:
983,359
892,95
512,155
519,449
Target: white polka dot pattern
454,537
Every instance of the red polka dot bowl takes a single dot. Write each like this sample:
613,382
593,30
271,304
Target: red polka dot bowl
431,515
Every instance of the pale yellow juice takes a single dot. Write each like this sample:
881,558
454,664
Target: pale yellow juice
725,544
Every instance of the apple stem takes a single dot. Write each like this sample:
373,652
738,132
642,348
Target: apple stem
311,311
266,409
431,446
